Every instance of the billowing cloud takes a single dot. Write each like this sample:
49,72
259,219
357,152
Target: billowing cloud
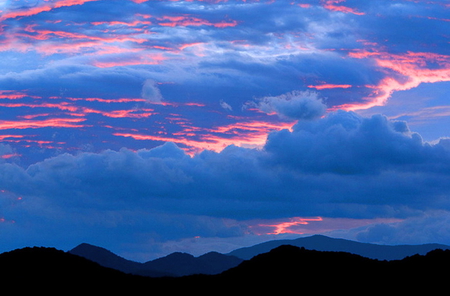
294,105
346,143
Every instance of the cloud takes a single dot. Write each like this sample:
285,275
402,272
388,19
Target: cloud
295,105
225,106
346,143
430,226
151,92
341,165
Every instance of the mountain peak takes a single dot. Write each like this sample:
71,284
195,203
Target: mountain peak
104,257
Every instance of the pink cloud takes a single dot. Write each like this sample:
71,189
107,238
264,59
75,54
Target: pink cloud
328,86
286,226
310,225
12,95
331,5
120,100
245,134
143,59
173,21
412,66
33,124
45,6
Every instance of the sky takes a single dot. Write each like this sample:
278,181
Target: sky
149,127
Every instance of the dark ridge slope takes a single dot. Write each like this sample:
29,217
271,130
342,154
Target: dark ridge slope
182,264
330,272
105,257
51,270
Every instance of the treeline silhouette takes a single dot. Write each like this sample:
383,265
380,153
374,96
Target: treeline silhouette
285,269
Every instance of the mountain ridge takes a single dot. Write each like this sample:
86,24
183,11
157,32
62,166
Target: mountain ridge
173,265
283,270
180,264
324,243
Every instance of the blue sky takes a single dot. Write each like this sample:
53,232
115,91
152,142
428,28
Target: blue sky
148,127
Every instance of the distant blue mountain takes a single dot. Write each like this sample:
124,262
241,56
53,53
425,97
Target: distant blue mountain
176,264
181,264
324,243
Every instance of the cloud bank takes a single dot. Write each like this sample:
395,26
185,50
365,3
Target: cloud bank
339,166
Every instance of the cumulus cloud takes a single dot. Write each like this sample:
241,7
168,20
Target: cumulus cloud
346,143
294,105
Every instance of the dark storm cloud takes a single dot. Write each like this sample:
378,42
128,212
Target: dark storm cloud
344,142
341,165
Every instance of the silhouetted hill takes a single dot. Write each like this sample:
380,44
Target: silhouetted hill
50,270
285,269
105,258
331,272
324,243
181,264
175,265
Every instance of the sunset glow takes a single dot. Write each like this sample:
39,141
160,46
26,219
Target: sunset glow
286,227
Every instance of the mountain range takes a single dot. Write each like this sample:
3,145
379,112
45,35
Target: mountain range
324,243
180,264
284,269
175,265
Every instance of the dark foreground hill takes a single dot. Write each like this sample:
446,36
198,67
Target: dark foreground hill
286,269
